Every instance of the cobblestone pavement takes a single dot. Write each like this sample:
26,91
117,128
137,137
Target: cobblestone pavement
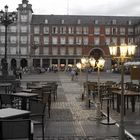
70,118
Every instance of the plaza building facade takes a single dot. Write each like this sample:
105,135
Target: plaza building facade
61,40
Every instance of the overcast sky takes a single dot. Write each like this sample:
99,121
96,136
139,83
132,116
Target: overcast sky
80,7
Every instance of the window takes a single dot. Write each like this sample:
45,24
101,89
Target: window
62,51
62,21
79,51
36,30
62,30
136,30
114,31
130,40
78,30
130,31
96,41
137,40
85,40
13,39
129,22
114,40
122,31
12,50
23,29
107,41
78,21
85,30
23,39
54,30
2,28
62,40
23,18
13,29
107,31
71,30
114,21
54,40
71,50
54,51
122,40
79,40
46,21
2,39
36,40
96,30
46,30
96,22
71,40
46,40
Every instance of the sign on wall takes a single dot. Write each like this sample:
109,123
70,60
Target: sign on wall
135,74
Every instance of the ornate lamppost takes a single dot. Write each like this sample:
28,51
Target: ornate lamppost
126,51
99,64
79,66
6,19
87,62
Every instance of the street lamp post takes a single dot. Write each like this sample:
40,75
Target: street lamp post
95,64
85,62
98,64
126,51
79,66
6,19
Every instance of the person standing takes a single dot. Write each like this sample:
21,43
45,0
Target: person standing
20,73
72,74
76,75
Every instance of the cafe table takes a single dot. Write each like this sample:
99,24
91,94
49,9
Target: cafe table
35,87
6,87
13,113
27,90
24,98
127,95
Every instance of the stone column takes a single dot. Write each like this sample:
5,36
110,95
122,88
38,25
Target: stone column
58,64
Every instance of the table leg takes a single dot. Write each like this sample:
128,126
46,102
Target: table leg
118,103
133,103
49,104
127,102
23,103
124,105
113,101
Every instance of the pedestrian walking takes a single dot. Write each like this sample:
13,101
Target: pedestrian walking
76,75
72,74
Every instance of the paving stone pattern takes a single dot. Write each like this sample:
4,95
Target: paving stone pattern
70,118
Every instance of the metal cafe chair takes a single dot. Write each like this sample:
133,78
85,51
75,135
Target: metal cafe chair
46,97
16,129
37,114
54,90
54,87
8,101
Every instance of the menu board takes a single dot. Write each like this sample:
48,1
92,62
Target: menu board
135,73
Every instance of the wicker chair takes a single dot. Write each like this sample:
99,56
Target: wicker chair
16,129
37,115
